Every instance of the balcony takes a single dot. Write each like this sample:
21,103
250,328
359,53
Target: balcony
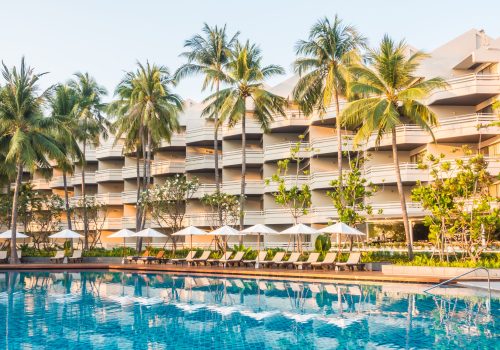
90,152
41,184
393,209
108,150
108,175
283,216
130,172
110,198
235,158
466,125
177,140
467,90
321,180
252,187
291,119
251,127
386,173
493,166
283,151
57,182
204,162
201,135
112,224
165,167
204,189
290,180
329,145
129,222
75,200
411,135
90,179
205,219
129,197
323,215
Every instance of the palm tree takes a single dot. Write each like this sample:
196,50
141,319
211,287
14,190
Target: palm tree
62,103
323,69
208,55
91,126
245,78
393,94
147,112
27,134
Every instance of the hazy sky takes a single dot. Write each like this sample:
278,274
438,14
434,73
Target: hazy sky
106,37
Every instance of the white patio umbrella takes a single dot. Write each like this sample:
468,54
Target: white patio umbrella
66,234
299,229
8,235
259,230
190,231
149,233
123,233
226,231
342,229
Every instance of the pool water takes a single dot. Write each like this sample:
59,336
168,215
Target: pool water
105,310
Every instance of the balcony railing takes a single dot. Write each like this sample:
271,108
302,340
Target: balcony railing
290,180
41,184
291,118
463,125
109,150
393,209
129,197
386,173
251,127
406,133
204,189
253,156
322,179
329,145
161,167
468,85
252,187
110,198
130,172
283,150
89,178
205,133
109,175
177,140
201,162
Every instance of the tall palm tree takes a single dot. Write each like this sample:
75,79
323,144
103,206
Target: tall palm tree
26,134
323,62
62,103
393,97
208,55
92,125
147,112
245,78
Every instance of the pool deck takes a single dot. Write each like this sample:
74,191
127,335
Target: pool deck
360,276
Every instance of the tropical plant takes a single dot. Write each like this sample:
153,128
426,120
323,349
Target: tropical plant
96,213
147,112
62,103
91,126
209,55
26,136
228,204
323,67
245,79
393,95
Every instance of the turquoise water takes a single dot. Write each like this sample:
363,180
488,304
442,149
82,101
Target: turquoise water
103,310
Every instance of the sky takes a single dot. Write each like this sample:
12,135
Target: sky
106,38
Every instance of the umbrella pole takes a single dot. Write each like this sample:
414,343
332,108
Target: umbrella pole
258,251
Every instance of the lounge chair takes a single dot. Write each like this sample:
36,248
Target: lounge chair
201,260
76,257
294,257
3,256
313,257
224,259
261,257
238,258
59,257
352,262
327,263
149,259
20,255
277,258
181,261
137,257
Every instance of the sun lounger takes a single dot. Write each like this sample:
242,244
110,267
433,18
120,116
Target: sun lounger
327,263
189,256
20,255
277,258
59,257
261,258
352,262
201,260
150,259
294,257
3,256
137,257
238,258
76,257
313,257
224,259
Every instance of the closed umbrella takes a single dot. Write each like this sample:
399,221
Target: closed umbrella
299,229
190,231
258,230
149,233
123,233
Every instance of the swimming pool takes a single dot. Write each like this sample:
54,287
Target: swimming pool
111,310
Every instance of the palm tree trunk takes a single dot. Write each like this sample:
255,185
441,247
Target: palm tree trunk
66,200
404,212
339,144
216,150
138,210
243,170
84,196
13,226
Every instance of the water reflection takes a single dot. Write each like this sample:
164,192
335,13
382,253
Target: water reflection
137,311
